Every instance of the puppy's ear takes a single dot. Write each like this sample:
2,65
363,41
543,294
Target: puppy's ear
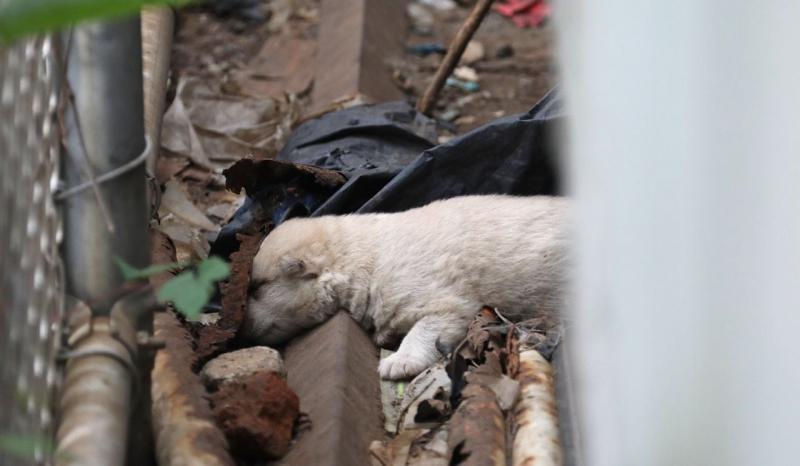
296,268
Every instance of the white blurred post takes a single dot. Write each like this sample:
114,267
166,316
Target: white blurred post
685,160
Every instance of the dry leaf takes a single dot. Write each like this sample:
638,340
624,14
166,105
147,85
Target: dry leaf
175,200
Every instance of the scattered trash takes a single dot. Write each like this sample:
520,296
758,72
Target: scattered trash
473,53
257,415
421,19
469,86
427,48
465,73
441,5
241,364
525,13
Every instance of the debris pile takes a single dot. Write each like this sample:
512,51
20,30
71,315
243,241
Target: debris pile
491,402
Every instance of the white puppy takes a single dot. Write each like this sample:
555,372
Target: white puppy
423,273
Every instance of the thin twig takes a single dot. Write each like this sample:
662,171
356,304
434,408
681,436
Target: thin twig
451,59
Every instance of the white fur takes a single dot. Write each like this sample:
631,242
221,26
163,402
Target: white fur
423,273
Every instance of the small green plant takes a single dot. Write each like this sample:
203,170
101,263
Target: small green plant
19,18
190,290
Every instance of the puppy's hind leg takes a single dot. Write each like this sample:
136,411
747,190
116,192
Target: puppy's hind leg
418,350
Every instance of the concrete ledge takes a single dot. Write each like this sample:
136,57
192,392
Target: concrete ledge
334,371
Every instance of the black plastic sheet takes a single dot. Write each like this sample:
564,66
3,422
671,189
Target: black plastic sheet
386,153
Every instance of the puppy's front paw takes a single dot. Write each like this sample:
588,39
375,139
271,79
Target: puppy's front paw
401,366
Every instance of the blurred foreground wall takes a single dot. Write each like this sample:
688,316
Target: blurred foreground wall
685,159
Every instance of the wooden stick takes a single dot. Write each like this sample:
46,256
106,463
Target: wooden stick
460,41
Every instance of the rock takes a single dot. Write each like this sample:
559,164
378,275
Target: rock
257,415
239,365
473,53
465,73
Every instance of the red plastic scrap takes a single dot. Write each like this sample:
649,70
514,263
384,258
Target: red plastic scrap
525,13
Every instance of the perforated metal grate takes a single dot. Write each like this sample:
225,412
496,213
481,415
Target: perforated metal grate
31,297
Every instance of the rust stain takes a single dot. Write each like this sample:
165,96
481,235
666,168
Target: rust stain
182,420
257,415
477,435
213,339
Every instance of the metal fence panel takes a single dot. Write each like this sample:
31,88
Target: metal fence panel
31,298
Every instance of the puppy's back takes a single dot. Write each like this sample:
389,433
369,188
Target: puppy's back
503,251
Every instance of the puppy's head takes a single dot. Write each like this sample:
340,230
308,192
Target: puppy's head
291,284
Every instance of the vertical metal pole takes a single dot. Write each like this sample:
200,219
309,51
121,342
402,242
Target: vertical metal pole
104,128
105,74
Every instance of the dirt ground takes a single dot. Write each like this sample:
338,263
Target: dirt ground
517,68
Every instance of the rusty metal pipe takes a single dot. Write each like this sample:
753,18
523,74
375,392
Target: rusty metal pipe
96,395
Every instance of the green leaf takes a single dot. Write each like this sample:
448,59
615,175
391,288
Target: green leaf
130,272
19,18
25,446
213,269
190,290
187,293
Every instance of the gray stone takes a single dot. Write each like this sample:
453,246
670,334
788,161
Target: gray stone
241,364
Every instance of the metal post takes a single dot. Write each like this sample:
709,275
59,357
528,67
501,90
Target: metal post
103,120
104,71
